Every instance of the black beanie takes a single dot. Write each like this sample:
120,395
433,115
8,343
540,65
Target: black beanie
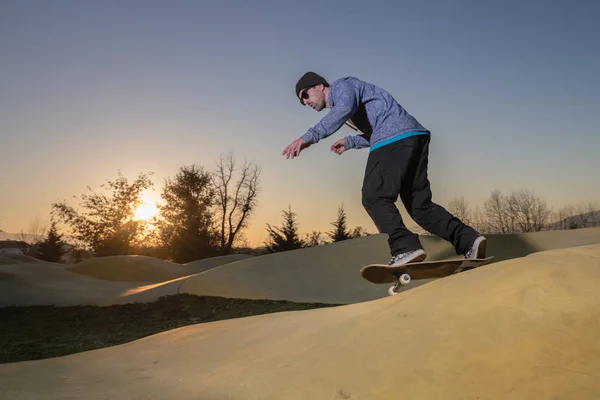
309,79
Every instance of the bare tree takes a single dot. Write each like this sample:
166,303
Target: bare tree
460,209
562,217
521,211
577,216
495,209
34,234
569,217
237,201
512,212
586,216
541,214
478,221
531,213
522,204
583,218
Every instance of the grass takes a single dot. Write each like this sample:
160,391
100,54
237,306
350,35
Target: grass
39,332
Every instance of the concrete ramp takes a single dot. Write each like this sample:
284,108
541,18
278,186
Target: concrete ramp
212,262
6,258
28,284
129,268
525,329
330,273
136,268
324,274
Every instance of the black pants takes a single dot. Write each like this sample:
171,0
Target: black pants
400,168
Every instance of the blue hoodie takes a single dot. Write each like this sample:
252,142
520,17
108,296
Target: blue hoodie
371,109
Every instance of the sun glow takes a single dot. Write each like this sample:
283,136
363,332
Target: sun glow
148,209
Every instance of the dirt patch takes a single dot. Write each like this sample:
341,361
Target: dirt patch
39,332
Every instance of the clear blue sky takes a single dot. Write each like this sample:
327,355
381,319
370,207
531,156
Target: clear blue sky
509,89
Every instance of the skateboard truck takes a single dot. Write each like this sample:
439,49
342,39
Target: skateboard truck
401,280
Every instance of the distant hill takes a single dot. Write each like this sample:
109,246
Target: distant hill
589,219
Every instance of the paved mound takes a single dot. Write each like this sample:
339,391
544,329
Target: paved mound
146,269
330,273
130,269
212,262
325,274
521,329
23,284
147,293
6,259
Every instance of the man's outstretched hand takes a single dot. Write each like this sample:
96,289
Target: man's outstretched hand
294,148
338,147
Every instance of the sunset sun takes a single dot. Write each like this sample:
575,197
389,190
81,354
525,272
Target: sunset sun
147,209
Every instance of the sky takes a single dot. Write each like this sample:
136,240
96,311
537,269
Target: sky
509,89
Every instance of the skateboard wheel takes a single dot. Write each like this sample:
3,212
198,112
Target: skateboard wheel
404,279
392,291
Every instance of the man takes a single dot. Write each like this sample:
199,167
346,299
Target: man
397,163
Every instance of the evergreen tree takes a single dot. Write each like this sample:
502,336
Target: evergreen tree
185,223
286,237
341,231
51,248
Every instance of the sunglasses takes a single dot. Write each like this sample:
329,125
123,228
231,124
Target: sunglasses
304,95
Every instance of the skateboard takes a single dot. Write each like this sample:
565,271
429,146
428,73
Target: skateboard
403,274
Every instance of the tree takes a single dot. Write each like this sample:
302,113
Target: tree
359,231
33,235
460,209
235,202
562,217
586,216
185,222
286,237
51,249
497,213
541,214
341,231
314,239
580,216
108,227
521,211
530,212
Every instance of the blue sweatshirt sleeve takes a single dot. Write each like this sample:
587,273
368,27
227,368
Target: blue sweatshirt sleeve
355,142
345,104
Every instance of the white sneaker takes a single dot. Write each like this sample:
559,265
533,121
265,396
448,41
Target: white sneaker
410,256
478,249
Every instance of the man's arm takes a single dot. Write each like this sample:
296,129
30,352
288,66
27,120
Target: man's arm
356,142
345,105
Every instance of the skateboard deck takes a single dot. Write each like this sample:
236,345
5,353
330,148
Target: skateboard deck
403,274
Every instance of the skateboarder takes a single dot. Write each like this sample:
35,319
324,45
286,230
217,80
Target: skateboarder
396,165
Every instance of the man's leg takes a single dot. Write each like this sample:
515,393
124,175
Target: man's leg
416,196
380,192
